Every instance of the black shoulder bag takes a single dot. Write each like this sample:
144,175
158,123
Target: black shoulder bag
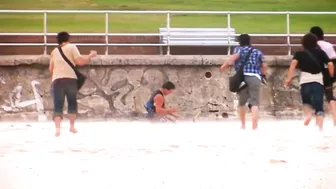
323,71
80,77
314,59
238,78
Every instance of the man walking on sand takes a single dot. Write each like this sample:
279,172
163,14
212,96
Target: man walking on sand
253,69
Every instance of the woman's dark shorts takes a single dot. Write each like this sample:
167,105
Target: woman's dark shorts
61,88
312,95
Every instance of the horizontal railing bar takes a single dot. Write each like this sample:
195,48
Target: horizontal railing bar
84,44
137,34
146,44
316,13
167,11
205,39
280,12
83,34
235,44
156,34
22,11
235,35
85,11
251,12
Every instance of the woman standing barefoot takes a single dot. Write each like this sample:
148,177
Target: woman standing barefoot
64,79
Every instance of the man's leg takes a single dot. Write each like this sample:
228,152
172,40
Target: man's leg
71,94
318,90
58,99
254,92
328,91
242,100
332,108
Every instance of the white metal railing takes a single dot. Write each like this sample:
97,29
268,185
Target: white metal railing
168,13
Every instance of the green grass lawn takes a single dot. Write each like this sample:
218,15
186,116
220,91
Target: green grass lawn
151,22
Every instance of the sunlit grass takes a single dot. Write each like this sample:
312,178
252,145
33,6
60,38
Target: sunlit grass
151,22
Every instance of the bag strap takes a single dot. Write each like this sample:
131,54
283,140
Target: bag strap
313,58
247,57
66,59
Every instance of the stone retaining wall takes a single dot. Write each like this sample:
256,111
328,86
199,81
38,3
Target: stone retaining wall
118,86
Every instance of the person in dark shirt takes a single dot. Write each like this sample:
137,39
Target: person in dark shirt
311,62
155,105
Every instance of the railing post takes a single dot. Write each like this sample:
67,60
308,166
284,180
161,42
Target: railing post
168,33
229,28
106,32
45,30
288,34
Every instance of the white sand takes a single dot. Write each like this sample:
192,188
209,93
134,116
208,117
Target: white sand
110,155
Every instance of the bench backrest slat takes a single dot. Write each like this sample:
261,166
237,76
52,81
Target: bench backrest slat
198,36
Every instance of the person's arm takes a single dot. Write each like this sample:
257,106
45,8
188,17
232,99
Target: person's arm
263,64
232,59
174,115
79,59
331,53
332,61
331,66
331,69
158,101
263,68
291,71
324,58
51,63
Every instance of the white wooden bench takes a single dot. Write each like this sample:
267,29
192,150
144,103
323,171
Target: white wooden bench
198,37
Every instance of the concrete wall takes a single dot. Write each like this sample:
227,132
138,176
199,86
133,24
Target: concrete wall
118,83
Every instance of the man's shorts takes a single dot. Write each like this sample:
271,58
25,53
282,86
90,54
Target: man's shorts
328,87
328,93
251,93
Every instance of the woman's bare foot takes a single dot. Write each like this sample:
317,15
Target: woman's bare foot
73,130
58,132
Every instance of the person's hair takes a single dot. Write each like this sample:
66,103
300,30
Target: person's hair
318,32
309,41
168,85
62,37
244,40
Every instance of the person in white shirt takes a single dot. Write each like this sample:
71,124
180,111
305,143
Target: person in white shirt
327,80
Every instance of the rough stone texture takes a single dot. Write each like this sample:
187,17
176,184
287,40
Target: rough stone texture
145,60
146,50
118,86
